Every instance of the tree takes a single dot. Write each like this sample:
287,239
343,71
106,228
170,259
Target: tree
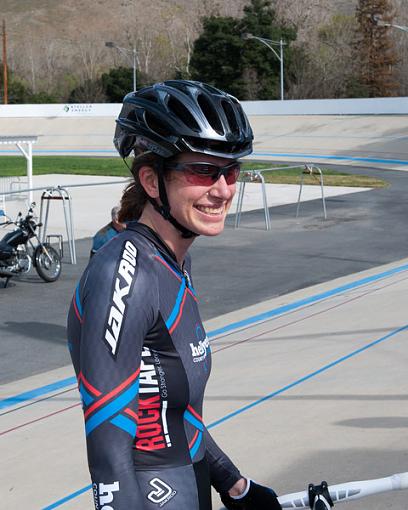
325,67
260,20
119,81
376,49
245,68
20,92
217,54
90,91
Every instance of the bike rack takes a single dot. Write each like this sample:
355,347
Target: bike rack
59,240
58,193
314,171
252,176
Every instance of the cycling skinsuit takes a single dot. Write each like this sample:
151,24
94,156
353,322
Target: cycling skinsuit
142,360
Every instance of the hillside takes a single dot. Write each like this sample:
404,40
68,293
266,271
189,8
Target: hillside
52,42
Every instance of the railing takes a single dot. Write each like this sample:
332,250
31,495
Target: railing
59,193
255,176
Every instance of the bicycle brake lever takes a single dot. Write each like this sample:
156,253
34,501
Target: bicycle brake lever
319,497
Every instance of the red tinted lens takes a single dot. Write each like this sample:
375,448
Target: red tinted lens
201,175
207,174
232,173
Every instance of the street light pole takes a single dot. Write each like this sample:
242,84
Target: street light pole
134,69
281,67
126,52
270,43
5,78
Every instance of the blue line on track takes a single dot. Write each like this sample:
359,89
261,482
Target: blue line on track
269,154
68,498
335,158
266,397
63,151
38,392
308,376
30,395
307,301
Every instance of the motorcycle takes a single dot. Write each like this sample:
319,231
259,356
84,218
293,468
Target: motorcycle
18,253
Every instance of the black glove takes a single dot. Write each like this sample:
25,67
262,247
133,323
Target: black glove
257,498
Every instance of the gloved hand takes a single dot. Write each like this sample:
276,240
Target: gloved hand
258,497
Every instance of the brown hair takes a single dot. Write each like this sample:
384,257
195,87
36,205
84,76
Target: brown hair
134,197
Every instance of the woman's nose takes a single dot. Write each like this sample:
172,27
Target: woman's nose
221,189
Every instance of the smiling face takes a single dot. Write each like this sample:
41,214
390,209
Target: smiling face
201,209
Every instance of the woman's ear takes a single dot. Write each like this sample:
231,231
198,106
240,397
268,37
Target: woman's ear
148,179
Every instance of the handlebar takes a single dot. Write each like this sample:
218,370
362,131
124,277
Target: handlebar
21,219
349,491
5,223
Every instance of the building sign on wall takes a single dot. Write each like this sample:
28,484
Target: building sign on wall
78,109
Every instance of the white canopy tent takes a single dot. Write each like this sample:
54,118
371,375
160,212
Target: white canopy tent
27,152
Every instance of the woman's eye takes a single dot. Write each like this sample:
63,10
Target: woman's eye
202,169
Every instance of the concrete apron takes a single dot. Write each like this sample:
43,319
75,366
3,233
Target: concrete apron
328,361
92,202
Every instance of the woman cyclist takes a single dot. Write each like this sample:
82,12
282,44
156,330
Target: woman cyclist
137,343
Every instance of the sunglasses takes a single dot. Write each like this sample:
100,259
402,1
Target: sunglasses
206,174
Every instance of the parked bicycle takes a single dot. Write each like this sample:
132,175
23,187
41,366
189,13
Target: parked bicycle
18,252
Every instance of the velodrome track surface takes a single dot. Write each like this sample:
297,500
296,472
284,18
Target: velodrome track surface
330,369
365,140
235,270
318,408
307,386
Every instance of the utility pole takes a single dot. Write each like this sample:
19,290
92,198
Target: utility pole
5,84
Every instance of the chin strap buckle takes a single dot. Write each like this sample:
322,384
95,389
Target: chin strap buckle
319,497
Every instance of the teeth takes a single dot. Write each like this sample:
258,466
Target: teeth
210,210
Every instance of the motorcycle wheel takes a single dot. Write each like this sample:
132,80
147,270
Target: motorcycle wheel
47,262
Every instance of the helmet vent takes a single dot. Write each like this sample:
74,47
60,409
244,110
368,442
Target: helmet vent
241,114
181,112
155,124
132,116
149,96
232,120
210,114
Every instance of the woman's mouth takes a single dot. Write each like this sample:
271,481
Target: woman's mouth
212,211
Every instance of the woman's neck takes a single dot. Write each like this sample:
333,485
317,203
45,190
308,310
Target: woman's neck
168,233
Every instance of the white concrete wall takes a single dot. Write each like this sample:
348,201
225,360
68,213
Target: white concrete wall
60,110
376,138
376,106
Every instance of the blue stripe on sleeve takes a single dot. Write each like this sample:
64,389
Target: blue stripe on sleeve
86,397
176,309
110,409
78,301
196,445
190,418
125,424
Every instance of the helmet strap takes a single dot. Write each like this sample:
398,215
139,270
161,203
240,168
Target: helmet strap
164,209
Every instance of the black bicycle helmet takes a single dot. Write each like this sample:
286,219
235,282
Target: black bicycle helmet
183,116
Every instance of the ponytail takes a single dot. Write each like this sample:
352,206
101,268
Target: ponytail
134,196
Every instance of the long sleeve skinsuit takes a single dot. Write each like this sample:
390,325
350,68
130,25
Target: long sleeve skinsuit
142,360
